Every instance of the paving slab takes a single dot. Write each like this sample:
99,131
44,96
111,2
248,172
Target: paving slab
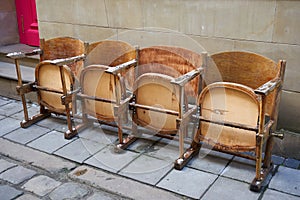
292,163
17,174
32,109
119,185
8,124
79,150
69,190
103,196
35,158
164,151
11,108
2,117
4,101
25,135
275,195
214,162
4,165
143,145
28,197
110,160
41,185
188,182
99,135
8,192
147,169
50,142
225,188
277,160
240,171
58,123
285,181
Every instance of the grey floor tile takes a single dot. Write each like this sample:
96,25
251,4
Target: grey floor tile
58,123
143,144
17,174
104,196
4,165
240,171
25,135
110,160
164,151
50,142
147,169
2,116
4,101
209,162
188,182
225,188
283,178
28,197
98,134
70,190
292,163
41,185
11,108
79,150
275,195
8,192
8,124
32,110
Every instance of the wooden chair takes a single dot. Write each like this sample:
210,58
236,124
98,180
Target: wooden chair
165,79
239,112
104,95
61,60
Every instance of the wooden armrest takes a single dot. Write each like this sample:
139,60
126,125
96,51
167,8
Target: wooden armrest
25,88
17,55
115,70
268,87
182,80
66,99
66,61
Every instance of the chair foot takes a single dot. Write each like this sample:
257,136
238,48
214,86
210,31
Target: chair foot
126,142
258,184
187,156
70,134
34,119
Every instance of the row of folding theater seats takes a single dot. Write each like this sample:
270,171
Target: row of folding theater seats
231,98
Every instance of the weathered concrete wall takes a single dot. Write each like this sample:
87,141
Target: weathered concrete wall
268,27
8,23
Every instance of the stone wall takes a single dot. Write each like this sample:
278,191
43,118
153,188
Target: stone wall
8,23
268,27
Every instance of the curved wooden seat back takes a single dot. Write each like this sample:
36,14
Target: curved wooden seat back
245,68
49,77
171,61
63,47
95,82
155,90
229,103
112,53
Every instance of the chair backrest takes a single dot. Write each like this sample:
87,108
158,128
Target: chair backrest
63,47
155,90
111,53
105,87
229,103
245,68
48,77
171,61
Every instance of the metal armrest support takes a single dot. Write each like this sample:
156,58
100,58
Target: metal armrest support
182,80
18,55
115,70
66,61
268,87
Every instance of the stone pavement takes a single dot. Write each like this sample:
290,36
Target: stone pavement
38,163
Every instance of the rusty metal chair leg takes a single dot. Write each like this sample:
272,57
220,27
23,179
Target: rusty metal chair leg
187,156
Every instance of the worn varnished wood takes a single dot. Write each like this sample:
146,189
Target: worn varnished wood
63,47
171,61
